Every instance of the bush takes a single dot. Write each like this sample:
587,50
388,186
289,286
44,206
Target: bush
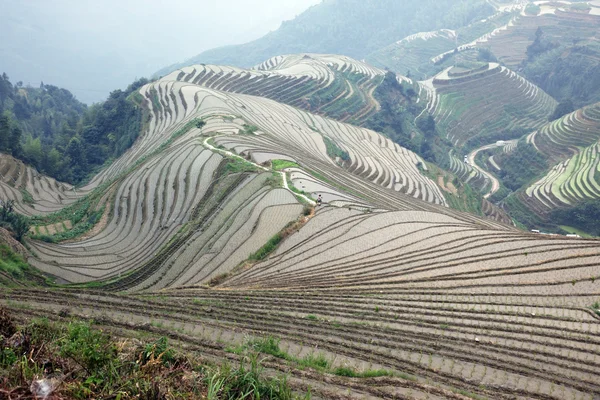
334,151
18,224
92,349
12,263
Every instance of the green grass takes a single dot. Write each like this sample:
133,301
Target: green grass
95,366
334,151
267,249
576,231
12,263
235,166
351,373
79,228
27,197
278,165
317,361
249,130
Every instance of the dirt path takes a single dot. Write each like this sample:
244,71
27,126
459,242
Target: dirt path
233,155
492,178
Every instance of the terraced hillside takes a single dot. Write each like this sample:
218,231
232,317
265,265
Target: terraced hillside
558,20
336,86
424,53
179,211
473,106
442,308
414,52
571,146
33,193
209,235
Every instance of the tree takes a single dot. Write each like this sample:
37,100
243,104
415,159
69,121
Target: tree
76,151
563,108
4,133
16,148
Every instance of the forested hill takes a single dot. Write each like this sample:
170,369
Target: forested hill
351,27
48,128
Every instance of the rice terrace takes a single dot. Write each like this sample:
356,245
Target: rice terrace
416,222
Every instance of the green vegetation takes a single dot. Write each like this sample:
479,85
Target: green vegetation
81,225
249,130
563,108
521,166
27,197
520,213
397,113
16,224
491,136
84,213
91,363
584,216
334,151
351,373
565,64
246,382
12,263
575,231
267,249
317,361
236,166
278,165
48,128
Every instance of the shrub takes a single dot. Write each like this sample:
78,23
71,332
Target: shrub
92,349
269,247
12,263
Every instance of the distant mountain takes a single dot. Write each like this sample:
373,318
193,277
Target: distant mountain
351,27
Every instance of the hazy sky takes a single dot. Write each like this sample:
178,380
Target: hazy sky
93,46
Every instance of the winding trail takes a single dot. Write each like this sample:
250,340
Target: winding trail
492,178
233,155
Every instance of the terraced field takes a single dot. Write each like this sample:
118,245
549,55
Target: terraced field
447,309
33,193
425,53
393,293
180,213
467,104
555,20
571,146
335,86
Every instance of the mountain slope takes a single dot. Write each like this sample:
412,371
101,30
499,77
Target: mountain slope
350,27
570,145
557,49
207,233
335,86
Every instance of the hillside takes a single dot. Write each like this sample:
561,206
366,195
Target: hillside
554,45
335,86
350,27
423,54
226,119
57,135
473,106
570,145
206,231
